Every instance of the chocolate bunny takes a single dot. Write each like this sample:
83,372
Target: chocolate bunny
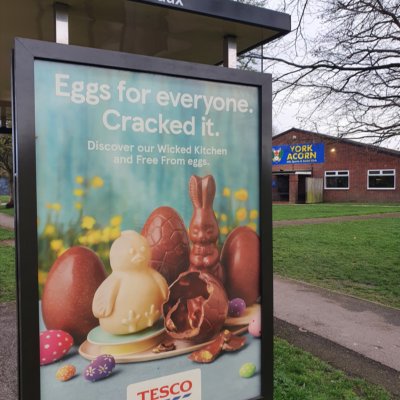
203,229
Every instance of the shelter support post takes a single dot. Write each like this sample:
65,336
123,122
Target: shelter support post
61,23
230,52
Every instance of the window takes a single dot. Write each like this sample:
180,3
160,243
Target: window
337,180
382,179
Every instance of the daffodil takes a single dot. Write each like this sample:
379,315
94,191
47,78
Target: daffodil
49,230
56,245
97,182
241,214
42,277
57,207
79,192
79,180
252,225
87,222
241,195
224,217
78,205
224,230
115,233
226,192
253,214
94,237
82,240
116,220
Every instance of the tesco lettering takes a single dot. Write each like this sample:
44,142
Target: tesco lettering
178,388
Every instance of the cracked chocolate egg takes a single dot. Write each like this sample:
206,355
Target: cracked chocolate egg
196,308
240,257
169,242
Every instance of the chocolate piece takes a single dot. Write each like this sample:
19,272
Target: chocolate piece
166,233
226,341
164,347
196,308
240,257
203,229
68,293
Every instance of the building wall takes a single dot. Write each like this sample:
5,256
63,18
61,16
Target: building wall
342,155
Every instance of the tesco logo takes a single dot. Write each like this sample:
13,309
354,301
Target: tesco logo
184,385
176,391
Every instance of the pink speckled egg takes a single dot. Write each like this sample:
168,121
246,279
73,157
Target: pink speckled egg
255,326
54,345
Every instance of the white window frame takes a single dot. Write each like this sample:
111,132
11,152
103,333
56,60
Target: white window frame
335,174
381,172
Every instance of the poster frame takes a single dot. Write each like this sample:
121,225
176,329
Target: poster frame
26,51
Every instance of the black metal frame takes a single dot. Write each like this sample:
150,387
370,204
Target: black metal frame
25,53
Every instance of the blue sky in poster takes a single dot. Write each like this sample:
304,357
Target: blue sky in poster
72,125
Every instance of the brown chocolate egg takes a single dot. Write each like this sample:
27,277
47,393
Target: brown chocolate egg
68,293
196,308
240,257
169,242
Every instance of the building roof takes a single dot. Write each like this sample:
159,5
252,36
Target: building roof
343,140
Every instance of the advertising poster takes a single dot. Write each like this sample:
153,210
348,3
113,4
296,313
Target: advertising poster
148,235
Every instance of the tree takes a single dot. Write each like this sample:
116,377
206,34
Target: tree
6,163
347,74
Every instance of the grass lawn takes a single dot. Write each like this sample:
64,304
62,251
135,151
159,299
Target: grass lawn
361,258
303,211
301,376
3,209
7,273
6,234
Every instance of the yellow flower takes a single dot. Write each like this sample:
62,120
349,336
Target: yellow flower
224,217
252,225
115,233
57,207
106,235
97,182
241,214
116,221
226,192
61,251
78,205
79,192
42,276
253,214
49,230
224,230
241,195
82,240
56,244
88,222
94,237
79,180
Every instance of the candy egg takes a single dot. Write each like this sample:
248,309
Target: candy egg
100,368
240,257
166,233
65,373
247,370
255,326
69,290
236,307
54,344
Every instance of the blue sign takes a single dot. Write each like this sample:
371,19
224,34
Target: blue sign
310,153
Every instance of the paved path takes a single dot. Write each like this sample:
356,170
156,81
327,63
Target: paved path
6,221
366,328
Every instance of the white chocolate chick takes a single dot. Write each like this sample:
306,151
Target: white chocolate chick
131,298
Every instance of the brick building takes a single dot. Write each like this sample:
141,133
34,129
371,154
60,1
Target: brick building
310,167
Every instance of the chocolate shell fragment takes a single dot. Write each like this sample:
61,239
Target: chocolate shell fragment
196,308
226,341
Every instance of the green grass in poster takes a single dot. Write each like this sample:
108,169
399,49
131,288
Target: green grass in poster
360,258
